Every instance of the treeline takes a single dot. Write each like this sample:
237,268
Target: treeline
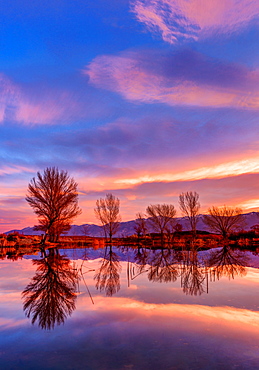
53,196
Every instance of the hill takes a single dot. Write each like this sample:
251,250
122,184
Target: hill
127,228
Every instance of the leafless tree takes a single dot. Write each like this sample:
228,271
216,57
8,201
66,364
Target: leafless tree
140,225
178,228
227,262
51,295
107,211
108,275
161,216
224,220
192,273
54,198
190,206
140,261
163,267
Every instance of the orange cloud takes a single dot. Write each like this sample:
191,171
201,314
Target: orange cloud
234,168
230,318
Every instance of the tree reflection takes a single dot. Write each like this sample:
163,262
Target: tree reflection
227,262
108,275
140,259
50,296
138,266
192,274
162,266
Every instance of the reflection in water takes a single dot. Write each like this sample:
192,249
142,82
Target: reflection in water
162,266
227,262
140,258
192,273
166,265
108,275
138,266
50,296
148,318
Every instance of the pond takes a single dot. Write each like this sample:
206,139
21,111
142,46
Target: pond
130,308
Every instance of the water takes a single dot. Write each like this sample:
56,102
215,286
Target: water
130,309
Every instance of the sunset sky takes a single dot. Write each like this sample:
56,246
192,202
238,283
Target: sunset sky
142,98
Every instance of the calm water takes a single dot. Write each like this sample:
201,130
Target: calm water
130,309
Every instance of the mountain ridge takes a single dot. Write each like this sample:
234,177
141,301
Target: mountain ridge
127,227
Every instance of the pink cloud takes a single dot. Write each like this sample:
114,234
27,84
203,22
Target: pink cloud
17,105
14,169
183,19
45,112
8,94
129,76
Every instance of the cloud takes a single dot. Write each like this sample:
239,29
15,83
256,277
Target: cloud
18,105
14,169
231,191
249,165
183,78
13,218
177,20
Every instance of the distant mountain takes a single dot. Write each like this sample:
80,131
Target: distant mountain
127,228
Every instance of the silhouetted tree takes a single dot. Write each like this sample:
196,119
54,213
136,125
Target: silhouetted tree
50,297
178,228
224,220
108,275
163,267
192,274
107,211
140,260
140,225
161,216
54,198
190,206
227,262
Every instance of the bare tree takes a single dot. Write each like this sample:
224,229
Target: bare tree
163,267
108,275
178,228
161,216
140,225
224,220
190,206
107,211
227,262
54,198
51,295
192,273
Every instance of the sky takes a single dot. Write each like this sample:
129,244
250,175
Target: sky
144,99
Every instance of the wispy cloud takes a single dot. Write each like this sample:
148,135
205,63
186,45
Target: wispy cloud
250,165
149,78
176,20
17,105
14,169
